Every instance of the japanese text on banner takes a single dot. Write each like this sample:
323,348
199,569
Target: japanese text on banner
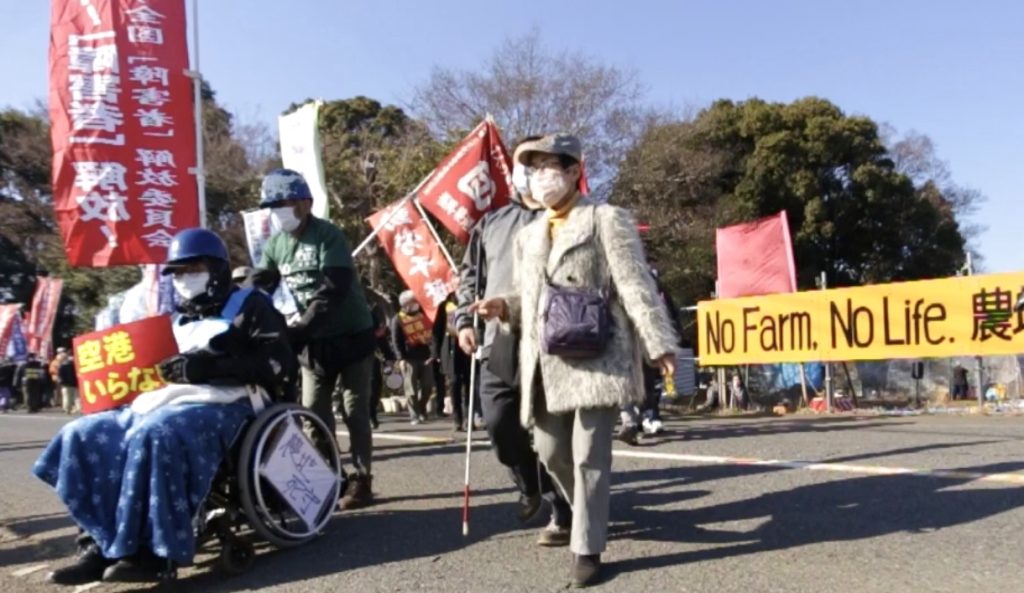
415,253
117,364
123,129
475,178
971,315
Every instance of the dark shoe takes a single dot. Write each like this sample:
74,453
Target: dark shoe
359,493
628,434
586,570
554,536
139,569
529,506
87,568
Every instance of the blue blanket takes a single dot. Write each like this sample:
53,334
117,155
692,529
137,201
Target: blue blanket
136,481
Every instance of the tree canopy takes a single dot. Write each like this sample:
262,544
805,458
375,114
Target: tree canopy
852,213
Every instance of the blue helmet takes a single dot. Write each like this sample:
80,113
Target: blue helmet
283,184
194,244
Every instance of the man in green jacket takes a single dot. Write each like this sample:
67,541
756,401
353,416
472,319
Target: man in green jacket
334,335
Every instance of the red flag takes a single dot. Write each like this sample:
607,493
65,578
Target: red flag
10,315
474,178
123,129
415,253
45,302
755,258
117,364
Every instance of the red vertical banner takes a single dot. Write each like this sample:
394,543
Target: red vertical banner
45,303
122,129
415,253
474,178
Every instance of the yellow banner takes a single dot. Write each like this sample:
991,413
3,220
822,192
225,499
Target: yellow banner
972,315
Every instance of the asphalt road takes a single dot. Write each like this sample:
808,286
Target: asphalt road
717,504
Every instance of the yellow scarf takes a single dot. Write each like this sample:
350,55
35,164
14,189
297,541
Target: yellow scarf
558,216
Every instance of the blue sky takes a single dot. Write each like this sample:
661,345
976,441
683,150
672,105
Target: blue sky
951,70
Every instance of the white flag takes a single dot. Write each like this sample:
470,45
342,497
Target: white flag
300,151
258,230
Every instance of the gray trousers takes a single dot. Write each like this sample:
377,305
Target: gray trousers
69,397
317,395
576,449
418,377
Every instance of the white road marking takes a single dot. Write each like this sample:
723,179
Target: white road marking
846,468
83,588
415,438
24,572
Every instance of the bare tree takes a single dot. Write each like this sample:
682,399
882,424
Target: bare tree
532,89
915,156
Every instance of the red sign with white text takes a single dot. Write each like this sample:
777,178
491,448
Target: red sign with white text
474,178
122,129
117,364
415,253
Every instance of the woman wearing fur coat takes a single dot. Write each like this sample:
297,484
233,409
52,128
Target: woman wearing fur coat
573,403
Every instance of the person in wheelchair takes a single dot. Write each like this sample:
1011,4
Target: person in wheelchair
134,478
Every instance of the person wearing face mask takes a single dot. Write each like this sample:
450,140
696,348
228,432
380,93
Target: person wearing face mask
412,343
133,478
486,271
335,334
571,397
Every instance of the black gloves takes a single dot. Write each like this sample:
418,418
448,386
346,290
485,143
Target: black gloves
266,279
300,331
187,368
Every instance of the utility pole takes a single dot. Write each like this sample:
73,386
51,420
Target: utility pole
823,284
968,270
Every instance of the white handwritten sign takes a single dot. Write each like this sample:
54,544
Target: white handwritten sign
299,473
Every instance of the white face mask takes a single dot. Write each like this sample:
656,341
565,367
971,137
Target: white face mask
189,286
520,180
549,186
284,219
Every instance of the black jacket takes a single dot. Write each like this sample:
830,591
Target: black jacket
401,347
7,374
255,350
453,359
30,372
66,373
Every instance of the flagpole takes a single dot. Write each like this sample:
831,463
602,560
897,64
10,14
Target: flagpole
197,82
437,237
390,215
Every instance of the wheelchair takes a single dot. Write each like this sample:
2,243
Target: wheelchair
244,500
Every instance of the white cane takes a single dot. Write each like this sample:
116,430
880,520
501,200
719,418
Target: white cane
472,392
469,430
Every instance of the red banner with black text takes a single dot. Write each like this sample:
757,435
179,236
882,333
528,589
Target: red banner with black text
122,129
415,253
475,178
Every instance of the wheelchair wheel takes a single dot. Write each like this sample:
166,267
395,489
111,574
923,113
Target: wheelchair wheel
236,556
270,516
